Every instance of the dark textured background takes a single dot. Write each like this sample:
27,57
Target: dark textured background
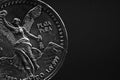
93,39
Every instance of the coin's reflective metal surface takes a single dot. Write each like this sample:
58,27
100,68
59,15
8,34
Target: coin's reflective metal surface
33,40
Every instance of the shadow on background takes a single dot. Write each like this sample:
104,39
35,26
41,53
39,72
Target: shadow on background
93,39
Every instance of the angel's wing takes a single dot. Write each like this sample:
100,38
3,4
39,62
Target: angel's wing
6,32
30,16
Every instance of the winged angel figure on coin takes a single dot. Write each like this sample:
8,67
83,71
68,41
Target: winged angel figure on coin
18,35
33,40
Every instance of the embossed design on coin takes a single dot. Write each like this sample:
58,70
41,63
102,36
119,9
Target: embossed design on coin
33,40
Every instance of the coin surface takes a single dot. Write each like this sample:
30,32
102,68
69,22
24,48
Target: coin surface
33,40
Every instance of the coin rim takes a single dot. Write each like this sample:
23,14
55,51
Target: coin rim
65,52
54,72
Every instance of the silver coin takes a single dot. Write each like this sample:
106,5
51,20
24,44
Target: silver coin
47,25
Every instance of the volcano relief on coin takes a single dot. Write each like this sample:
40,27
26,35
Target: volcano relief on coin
33,40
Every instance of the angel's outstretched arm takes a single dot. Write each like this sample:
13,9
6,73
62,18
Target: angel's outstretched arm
7,25
39,38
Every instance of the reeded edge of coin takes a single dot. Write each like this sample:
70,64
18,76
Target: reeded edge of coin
65,51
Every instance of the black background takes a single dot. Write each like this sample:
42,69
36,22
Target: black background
92,27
